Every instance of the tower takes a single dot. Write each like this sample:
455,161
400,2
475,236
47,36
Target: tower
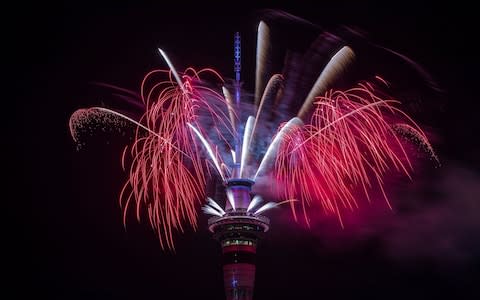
238,232
239,229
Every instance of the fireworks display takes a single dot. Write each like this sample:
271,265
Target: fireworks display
335,149
286,153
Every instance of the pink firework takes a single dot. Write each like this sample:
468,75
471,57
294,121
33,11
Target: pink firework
167,174
350,142
338,142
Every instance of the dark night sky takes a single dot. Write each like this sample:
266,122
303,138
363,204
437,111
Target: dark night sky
69,228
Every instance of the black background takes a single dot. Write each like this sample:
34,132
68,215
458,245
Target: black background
69,239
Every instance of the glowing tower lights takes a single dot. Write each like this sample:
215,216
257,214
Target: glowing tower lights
238,231
237,59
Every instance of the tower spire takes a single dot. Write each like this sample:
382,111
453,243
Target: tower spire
237,48
237,67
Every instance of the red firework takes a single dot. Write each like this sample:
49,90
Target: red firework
349,142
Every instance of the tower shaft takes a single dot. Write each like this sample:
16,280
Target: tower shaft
239,270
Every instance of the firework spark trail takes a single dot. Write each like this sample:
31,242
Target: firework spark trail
270,205
263,48
255,201
271,90
212,155
172,69
231,111
247,135
337,64
211,211
230,198
272,150
418,137
86,114
215,205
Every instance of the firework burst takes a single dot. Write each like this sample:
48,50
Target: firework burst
190,132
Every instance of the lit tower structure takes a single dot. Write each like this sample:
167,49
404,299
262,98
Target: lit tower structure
237,68
239,228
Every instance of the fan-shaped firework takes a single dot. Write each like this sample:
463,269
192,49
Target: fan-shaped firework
338,141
